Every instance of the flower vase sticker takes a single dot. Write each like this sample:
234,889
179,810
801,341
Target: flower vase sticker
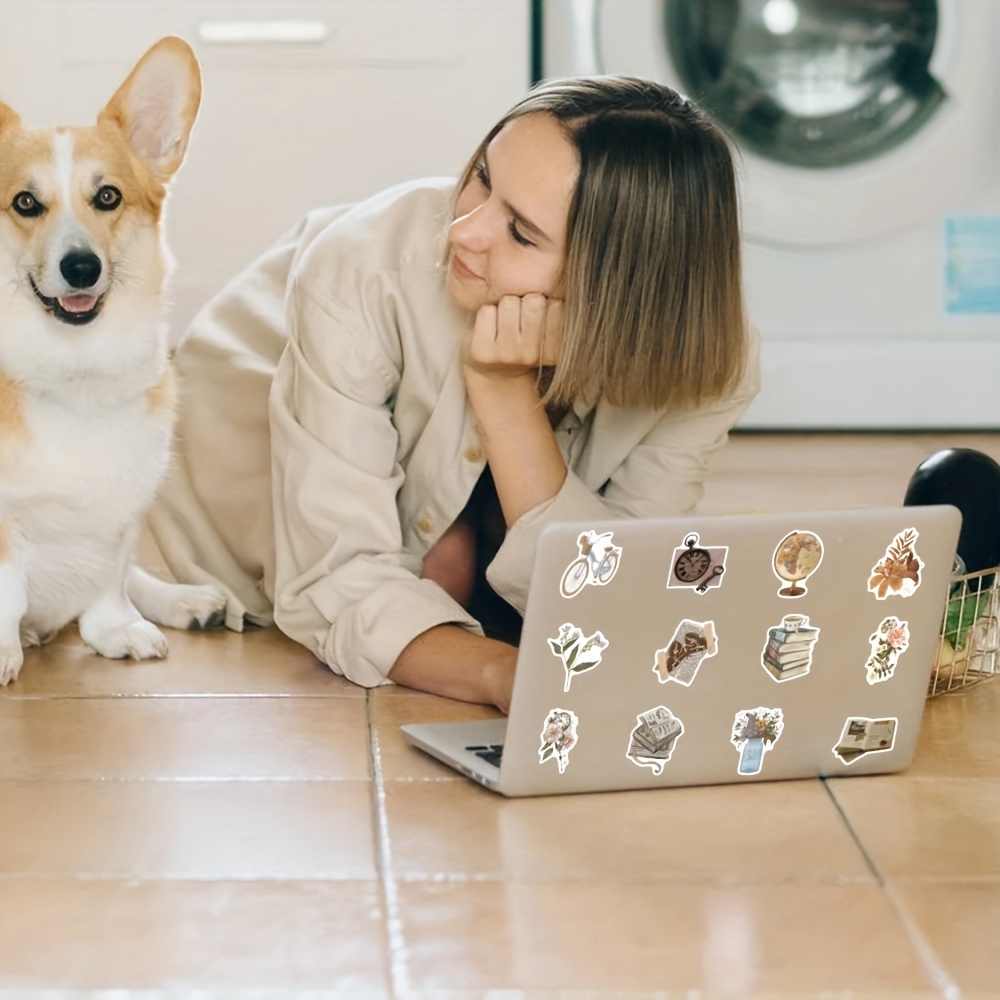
788,649
596,564
863,736
578,653
652,741
692,643
888,642
558,737
797,557
697,567
899,571
755,731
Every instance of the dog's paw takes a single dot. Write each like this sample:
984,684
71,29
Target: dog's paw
139,640
11,659
195,607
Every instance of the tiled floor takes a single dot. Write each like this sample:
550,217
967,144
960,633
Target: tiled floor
237,821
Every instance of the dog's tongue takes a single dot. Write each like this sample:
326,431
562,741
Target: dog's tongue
78,303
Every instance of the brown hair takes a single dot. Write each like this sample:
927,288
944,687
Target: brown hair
653,299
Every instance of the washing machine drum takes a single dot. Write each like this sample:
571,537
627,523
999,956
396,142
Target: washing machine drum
809,83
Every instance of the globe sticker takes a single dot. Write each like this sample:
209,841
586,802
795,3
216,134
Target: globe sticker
755,731
788,649
652,741
862,736
679,661
898,573
697,567
889,641
596,564
796,558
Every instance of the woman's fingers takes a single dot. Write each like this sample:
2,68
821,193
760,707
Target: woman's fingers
518,333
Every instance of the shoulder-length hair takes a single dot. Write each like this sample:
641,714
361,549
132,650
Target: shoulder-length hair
654,311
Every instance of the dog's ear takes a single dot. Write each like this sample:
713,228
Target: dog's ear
8,117
157,105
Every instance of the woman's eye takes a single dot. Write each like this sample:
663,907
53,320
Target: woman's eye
26,204
482,176
108,198
517,236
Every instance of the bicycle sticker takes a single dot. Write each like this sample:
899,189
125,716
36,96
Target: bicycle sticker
652,741
898,574
889,641
796,558
692,643
559,736
578,653
863,736
697,567
755,731
789,647
596,564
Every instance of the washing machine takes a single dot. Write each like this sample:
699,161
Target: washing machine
868,142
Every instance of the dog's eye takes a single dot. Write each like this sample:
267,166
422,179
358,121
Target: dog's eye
26,204
108,198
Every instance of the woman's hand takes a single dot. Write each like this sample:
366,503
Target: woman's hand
518,335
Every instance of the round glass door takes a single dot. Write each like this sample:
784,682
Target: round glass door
809,83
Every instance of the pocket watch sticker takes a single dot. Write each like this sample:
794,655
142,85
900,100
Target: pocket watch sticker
796,558
898,574
888,642
696,566
578,652
596,564
558,737
863,736
755,731
652,741
692,643
788,650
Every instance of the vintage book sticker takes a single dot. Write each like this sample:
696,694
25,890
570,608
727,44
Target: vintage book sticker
680,659
863,736
579,653
596,564
888,642
796,558
755,731
697,567
788,648
898,573
652,741
559,736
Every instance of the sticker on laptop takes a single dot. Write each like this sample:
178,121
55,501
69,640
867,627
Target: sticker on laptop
680,659
889,641
596,564
579,653
653,739
898,573
788,649
863,736
755,731
558,737
796,558
697,567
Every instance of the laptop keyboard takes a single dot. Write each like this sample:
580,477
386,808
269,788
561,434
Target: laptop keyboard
491,754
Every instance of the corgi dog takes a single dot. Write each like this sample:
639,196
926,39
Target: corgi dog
86,386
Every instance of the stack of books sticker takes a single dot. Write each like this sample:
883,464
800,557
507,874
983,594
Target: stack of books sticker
789,648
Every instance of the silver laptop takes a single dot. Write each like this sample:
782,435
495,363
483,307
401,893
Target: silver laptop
717,649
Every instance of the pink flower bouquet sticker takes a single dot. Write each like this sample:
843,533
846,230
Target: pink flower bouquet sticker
755,731
558,737
898,572
692,643
888,642
597,563
863,736
578,653
652,741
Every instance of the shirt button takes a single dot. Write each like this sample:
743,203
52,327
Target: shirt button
474,454
425,525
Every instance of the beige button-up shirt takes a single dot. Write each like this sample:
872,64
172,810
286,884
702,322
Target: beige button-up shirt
325,441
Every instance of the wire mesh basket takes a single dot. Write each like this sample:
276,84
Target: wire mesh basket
967,650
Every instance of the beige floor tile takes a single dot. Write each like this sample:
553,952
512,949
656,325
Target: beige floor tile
925,827
782,831
578,936
254,829
192,935
958,736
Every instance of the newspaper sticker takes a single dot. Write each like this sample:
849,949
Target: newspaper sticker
596,564
697,567
692,643
652,741
863,736
796,558
898,573
558,737
578,652
755,731
889,641
788,648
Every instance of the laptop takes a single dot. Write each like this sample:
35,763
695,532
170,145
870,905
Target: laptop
703,650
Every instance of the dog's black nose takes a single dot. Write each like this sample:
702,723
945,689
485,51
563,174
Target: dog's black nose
80,268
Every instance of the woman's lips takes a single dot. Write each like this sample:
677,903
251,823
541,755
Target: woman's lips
462,269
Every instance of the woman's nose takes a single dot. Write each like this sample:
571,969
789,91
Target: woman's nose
471,231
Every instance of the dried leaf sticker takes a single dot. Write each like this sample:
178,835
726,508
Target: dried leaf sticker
898,573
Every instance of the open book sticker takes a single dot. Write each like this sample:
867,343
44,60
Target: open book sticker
796,558
680,659
697,567
559,736
652,741
596,564
898,572
578,652
888,642
788,648
755,731
862,736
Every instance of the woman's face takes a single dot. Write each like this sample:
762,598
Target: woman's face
509,233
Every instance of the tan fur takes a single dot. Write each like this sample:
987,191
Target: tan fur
162,398
13,426
4,543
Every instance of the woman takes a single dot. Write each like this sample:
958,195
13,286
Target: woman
390,404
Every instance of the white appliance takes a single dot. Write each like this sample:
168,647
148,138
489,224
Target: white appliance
869,136
305,103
